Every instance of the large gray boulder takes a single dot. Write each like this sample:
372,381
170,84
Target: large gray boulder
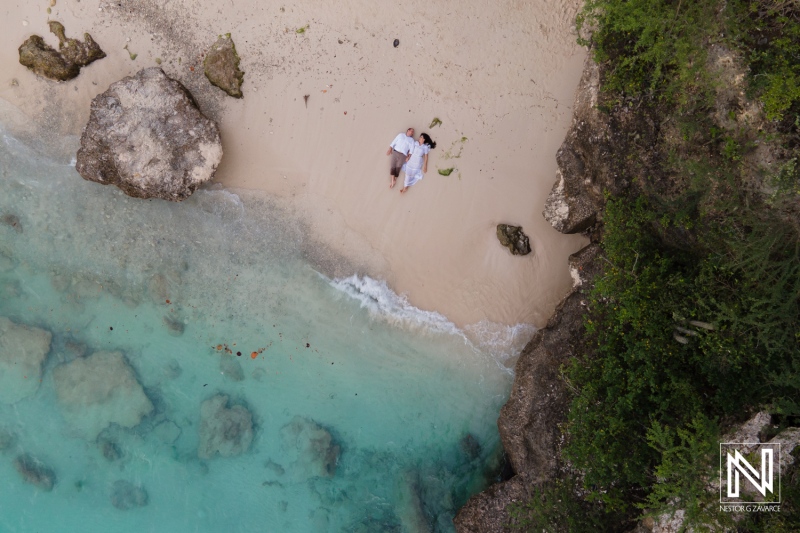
146,136
23,350
97,391
225,431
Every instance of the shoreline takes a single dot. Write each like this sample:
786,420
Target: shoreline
436,244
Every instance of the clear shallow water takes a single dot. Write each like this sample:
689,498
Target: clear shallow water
179,289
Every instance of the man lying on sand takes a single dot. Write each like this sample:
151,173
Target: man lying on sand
401,147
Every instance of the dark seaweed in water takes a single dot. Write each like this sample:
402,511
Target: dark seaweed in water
470,446
13,222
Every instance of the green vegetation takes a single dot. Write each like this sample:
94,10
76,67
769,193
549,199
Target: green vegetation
555,508
460,143
656,46
646,422
694,323
769,33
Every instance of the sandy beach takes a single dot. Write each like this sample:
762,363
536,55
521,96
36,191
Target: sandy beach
500,76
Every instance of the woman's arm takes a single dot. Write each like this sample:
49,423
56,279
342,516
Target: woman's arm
425,163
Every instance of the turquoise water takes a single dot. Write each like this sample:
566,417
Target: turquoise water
368,415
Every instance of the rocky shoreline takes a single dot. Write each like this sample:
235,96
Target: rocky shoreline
587,171
609,145
529,421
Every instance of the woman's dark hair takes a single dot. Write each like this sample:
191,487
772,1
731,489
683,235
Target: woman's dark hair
428,141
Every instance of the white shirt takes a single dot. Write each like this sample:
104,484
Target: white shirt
403,143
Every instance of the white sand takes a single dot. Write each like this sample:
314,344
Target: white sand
500,73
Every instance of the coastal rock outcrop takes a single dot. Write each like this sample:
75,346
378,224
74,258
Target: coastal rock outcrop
571,206
221,66
35,472
146,136
23,350
224,431
529,421
97,391
63,64
310,449
594,155
125,495
513,238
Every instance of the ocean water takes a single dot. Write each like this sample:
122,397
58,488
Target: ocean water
367,414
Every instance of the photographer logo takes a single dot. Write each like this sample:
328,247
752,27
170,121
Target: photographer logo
749,476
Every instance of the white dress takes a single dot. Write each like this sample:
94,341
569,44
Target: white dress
413,167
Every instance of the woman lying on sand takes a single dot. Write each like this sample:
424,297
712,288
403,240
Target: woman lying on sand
417,162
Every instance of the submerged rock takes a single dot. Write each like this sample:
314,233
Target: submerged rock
223,430
97,391
409,507
310,448
109,449
174,326
125,495
35,472
146,136
275,468
221,66
61,65
513,238
23,350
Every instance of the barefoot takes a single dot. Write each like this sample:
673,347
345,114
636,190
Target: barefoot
393,181
404,189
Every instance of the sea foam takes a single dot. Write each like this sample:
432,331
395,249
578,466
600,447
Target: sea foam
502,342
